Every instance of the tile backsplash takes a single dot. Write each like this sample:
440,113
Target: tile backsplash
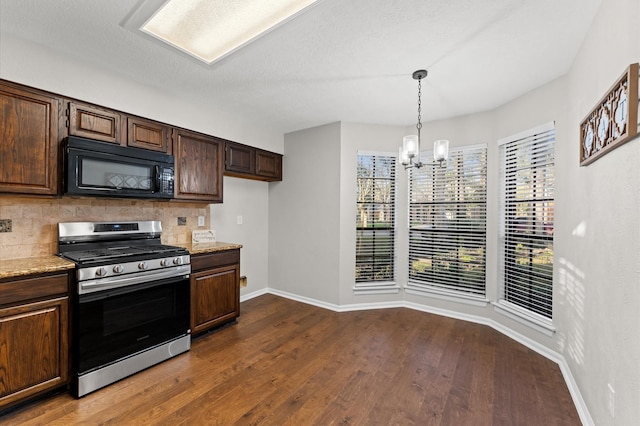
34,221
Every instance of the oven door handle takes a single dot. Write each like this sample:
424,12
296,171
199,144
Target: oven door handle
91,286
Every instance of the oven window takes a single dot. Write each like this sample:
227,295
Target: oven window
137,310
115,324
108,174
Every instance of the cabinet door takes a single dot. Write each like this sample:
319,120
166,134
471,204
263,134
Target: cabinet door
92,122
199,165
147,134
215,297
34,354
268,164
239,158
29,141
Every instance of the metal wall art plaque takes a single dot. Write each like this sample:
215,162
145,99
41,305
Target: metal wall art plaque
614,119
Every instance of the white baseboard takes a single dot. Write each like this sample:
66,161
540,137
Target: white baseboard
550,354
254,294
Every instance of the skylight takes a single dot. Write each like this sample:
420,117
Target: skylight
212,29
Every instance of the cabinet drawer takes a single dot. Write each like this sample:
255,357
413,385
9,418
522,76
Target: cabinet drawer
33,288
200,262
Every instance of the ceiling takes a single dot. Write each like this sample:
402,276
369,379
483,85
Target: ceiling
339,61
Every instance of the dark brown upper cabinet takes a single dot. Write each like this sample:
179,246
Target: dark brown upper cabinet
102,124
268,165
252,163
199,165
29,126
92,122
147,134
239,158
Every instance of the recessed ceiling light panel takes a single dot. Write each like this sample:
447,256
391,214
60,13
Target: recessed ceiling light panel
212,29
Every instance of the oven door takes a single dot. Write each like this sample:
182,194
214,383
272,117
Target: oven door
114,324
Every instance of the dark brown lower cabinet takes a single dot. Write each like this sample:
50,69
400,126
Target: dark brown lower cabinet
34,336
215,289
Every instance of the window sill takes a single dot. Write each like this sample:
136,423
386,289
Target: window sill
450,296
537,322
376,288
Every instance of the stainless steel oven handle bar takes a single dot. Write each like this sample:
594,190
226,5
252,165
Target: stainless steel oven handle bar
91,286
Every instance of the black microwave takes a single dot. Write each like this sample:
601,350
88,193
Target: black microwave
103,169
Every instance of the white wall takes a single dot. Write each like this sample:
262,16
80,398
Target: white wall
599,244
250,200
304,211
34,65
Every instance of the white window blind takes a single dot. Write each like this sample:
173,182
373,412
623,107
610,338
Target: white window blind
375,218
447,223
526,220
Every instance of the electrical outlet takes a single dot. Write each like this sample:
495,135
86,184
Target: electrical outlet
239,220
5,225
200,220
243,281
182,221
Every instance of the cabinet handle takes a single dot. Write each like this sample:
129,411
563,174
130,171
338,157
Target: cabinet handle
157,177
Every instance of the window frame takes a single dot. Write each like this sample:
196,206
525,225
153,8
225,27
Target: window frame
526,142
463,234
383,285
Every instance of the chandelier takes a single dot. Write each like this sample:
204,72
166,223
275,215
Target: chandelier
409,153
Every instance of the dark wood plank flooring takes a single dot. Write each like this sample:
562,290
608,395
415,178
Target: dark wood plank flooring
287,363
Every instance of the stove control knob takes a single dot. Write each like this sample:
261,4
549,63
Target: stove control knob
164,262
118,269
143,265
101,271
177,261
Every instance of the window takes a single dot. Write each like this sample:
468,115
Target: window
447,224
526,220
375,218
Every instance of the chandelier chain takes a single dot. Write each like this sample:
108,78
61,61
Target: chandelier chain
419,125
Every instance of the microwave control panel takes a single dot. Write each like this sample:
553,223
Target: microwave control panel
166,180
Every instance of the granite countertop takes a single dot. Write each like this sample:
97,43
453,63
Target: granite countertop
40,265
33,265
200,248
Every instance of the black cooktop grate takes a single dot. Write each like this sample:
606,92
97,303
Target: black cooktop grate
104,254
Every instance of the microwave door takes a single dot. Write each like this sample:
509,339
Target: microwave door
113,175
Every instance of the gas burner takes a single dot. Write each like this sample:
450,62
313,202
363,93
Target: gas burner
117,254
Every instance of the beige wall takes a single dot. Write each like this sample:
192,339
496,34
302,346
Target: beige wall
34,220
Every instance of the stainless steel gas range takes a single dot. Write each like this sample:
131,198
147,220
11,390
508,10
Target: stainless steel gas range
131,304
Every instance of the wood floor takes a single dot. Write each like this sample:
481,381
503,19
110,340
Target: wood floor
287,363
